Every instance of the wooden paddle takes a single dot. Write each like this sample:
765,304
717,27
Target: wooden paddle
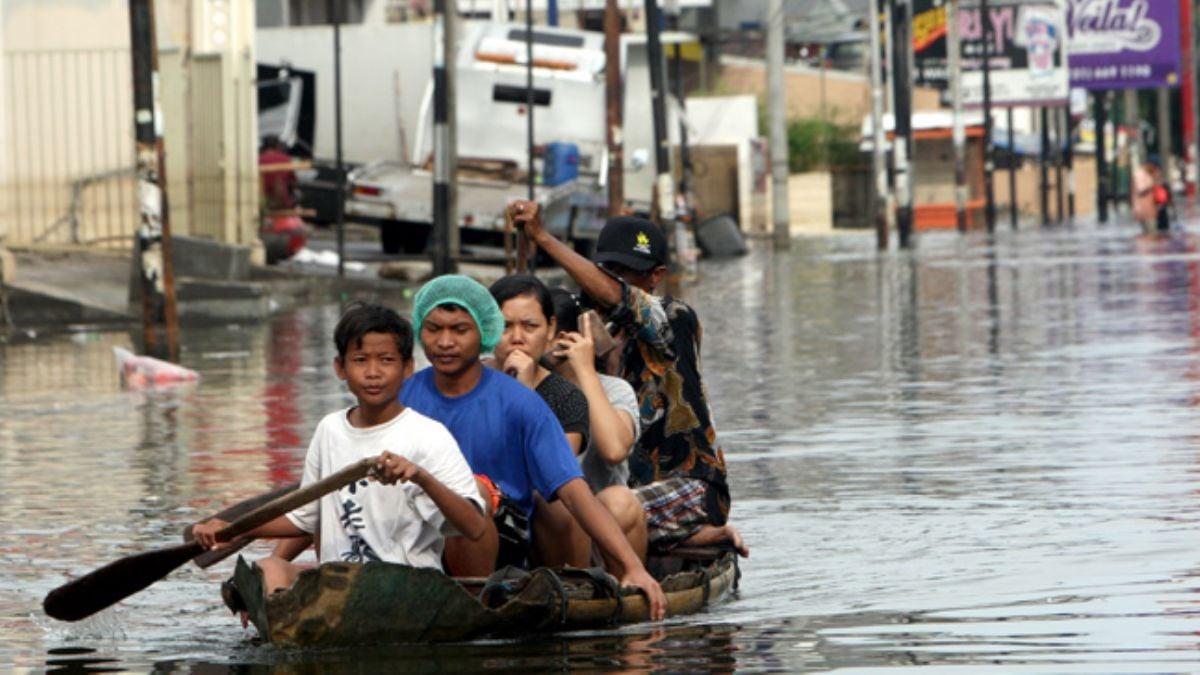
122,578
210,558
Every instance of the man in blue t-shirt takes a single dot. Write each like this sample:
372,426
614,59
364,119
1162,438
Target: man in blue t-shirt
509,436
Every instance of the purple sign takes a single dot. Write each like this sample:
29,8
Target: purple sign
1123,44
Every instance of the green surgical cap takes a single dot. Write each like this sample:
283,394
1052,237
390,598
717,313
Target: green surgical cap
465,292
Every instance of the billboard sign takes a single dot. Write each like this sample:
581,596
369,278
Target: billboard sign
1027,55
1124,44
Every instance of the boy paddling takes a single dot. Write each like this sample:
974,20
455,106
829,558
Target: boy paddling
677,469
507,433
424,488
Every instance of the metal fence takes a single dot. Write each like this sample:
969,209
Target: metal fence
70,153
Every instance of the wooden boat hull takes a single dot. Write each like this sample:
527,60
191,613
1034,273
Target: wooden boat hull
344,604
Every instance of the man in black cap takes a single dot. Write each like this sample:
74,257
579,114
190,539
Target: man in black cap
677,469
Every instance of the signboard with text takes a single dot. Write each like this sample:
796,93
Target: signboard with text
1027,59
1123,44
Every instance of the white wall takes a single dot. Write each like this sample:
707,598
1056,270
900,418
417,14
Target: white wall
728,120
385,69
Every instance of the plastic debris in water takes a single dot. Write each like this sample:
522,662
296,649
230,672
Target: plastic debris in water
144,372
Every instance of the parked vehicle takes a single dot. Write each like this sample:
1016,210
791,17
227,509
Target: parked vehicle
568,95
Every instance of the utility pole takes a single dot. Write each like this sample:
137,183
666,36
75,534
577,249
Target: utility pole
1133,122
530,145
685,158
1069,149
1058,166
989,162
612,99
445,155
880,202
954,62
1100,121
778,123
1164,135
1012,171
902,95
1187,94
154,231
664,190
1044,125
333,9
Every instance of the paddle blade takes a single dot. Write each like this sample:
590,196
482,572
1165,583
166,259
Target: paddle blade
115,581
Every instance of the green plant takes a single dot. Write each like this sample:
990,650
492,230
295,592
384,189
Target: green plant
817,144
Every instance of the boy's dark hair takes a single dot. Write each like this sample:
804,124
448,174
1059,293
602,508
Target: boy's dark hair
516,285
566,309
361,318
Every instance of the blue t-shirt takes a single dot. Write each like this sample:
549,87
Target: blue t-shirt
505,430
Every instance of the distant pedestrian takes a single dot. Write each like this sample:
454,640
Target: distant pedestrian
1152,203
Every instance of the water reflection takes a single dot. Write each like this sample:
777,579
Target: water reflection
979,453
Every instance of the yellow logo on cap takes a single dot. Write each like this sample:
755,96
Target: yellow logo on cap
643,243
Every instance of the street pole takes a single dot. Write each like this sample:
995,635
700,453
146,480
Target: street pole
1164,135
1133,122
880,202
954,63
1012,171
664,190
522,240
989,164
445,218
778,124
902,94
1100,120
333,9
1188,97
1044,123
1059,193
685,158
1069,160
612,99
154,231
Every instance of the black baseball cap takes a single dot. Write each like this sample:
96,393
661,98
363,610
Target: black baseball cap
633,242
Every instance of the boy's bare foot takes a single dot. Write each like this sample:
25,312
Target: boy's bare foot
725,534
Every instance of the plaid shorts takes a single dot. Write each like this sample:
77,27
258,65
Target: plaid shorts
675,508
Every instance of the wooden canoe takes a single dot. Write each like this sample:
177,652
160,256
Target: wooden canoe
346,604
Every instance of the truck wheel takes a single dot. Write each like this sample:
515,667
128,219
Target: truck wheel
404,237
391,240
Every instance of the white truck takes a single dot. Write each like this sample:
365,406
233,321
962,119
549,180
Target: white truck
569,115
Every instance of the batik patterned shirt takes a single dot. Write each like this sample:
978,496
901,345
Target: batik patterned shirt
661,360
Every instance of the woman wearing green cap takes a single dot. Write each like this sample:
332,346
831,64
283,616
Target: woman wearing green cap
506,432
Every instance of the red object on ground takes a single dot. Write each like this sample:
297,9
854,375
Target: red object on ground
291,230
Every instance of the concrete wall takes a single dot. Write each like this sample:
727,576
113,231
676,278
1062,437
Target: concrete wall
66,116
846,95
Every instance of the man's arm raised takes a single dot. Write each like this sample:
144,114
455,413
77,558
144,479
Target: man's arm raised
598,523
594,282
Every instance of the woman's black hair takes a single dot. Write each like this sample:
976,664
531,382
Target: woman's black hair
566,309
361,318
516,285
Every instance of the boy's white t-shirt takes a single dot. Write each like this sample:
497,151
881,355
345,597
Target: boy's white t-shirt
367,520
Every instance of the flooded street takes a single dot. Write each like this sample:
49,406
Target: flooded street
975,455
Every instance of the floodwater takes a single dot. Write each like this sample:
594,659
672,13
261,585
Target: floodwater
978,455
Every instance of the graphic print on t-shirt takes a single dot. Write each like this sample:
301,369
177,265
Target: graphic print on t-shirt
354,522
